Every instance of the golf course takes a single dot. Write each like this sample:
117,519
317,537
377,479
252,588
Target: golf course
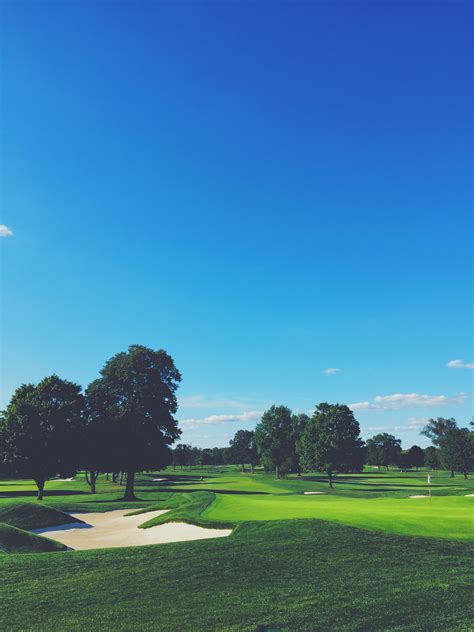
381,550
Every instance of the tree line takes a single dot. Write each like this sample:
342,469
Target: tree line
124,422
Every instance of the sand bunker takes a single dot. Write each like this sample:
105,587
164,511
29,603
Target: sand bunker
468,494
158,480
418,496
115,529
312,493
61,480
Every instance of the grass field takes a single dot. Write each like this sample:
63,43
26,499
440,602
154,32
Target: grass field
351,559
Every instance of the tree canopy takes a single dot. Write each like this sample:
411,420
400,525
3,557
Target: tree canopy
41,428
136,397
331,441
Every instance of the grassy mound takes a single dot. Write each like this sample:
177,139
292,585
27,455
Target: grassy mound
296,575
33,516
13,540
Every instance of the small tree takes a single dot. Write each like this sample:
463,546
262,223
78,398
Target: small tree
243,449
456,448
41,430
182,455
431,458
136,396
274,438
331,441
416,456
383,449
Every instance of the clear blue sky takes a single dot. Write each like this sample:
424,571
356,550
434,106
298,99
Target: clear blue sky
266,190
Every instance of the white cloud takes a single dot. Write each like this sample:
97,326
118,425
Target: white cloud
460,364
331,370
219,419
404,400
5,231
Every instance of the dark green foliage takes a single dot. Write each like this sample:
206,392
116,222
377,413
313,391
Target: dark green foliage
431,458
136,398
32,516
383,449
275,439
41,429
455,445
299,575
331,441
243,449
416,456
14,540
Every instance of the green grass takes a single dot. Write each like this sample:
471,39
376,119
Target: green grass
293,561
33,516
298,575
14,540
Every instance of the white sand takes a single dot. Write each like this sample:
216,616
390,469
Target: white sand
418,496
468,494
158,480
114,529
61,480
312,493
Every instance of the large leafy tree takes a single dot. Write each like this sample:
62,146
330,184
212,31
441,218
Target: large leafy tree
136,397
416,456
244,449
431,457
331,441
41,430
274,438
383,449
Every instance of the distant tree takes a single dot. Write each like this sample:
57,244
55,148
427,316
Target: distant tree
41,430
383,450
331,441
404,461
431,458
437,428
416,456
195,457
217,458
206,456
456,449
227,457
274,439
299,423
244,449
182,455
136,396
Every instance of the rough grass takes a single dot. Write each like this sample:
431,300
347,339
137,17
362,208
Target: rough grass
33,516
298,575
13,540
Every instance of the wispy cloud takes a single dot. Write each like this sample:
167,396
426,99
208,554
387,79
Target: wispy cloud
204,401
460,364
404,400
331,370
251,415
5,231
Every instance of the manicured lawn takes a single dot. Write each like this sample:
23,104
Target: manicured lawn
293,561
298,575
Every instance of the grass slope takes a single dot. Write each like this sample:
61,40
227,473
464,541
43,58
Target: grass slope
13,540
299,575
33,516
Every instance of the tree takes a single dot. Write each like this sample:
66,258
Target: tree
331,441
136,396
274,438
383,449
431,458
206,456
243,449
182,455
41,430
435,429
416,456
456,449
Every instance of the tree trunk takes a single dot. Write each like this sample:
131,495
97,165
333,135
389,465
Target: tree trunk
107,476
243,468
465,475
277,474
40,485
121,478
129,488
91,478
252,468
452,474
330,478
114,476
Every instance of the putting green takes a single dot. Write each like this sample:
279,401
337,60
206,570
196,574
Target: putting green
442,516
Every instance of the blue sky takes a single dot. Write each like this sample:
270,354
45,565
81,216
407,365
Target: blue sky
266,190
